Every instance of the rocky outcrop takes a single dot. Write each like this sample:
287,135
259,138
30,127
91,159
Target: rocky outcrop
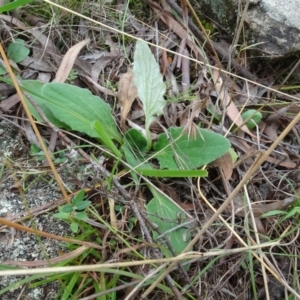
273,26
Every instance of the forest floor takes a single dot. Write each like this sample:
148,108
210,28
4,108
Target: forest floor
170,174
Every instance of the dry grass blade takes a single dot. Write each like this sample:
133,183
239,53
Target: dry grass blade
231,109
51,261
48,235
118,265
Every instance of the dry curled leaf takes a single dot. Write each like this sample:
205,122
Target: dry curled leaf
127,92
226,164
231,109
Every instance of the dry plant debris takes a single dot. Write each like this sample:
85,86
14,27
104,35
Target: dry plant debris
140,196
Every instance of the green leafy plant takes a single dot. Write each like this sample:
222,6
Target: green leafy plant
75,211
13,5
72,76
150,85
252,117
17,52
174,154
166,215
292,212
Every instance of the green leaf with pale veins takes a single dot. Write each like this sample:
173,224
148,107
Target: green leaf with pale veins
73,107
149,83
180,151
166,215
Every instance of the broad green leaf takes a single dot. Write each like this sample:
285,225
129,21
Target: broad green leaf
34,89
134,160
13,5
252,117
83,205
149,82
165,214
131,160
172,173
2,70
17,51
106,138
76,107
74,227
62,215
179,151
81,216
233,155
136,140
79,197
68,208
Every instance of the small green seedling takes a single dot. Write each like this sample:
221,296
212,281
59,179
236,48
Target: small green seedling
17,51
292,211
72,76
252,117
74,211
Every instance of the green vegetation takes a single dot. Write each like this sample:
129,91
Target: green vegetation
145,183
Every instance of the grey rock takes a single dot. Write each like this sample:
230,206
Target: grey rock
273,26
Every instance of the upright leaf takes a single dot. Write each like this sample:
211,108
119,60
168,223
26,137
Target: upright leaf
149,83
